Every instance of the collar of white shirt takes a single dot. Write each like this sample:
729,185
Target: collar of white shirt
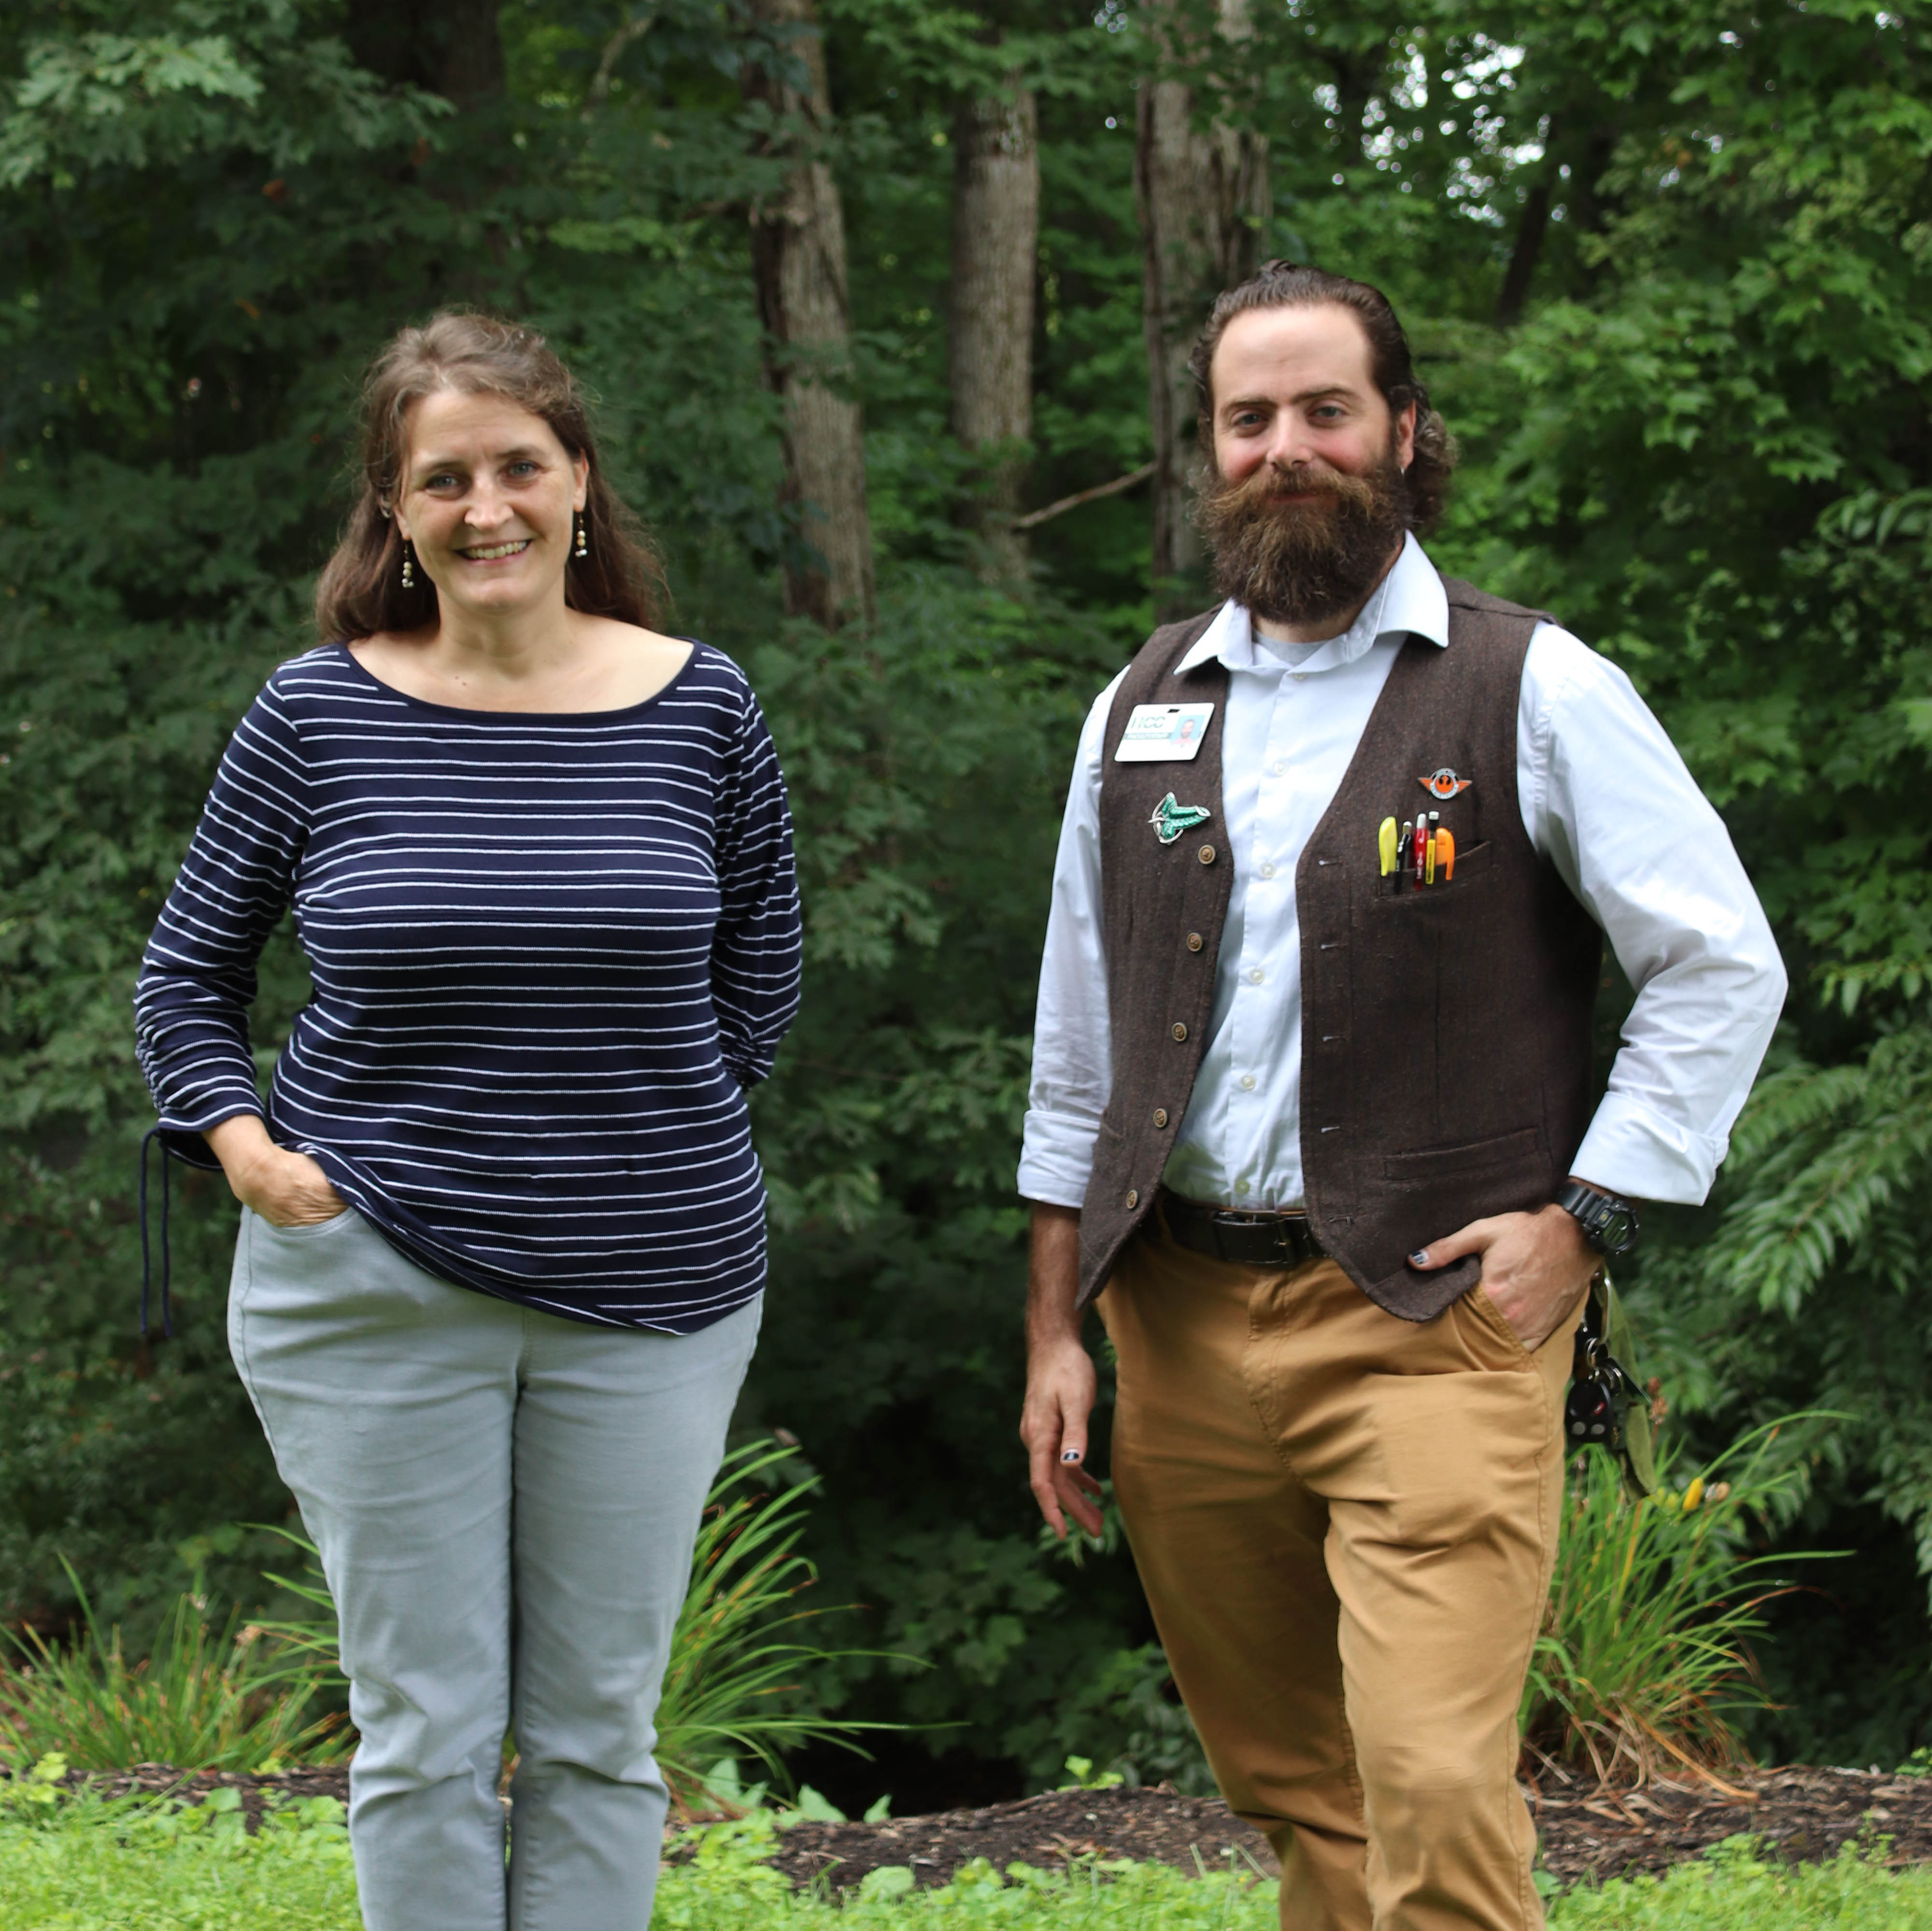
1410,601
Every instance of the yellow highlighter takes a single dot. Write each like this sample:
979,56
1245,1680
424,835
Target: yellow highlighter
1385,845
1435,832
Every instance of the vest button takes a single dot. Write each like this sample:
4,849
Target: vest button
1179,1030
1133,1197
1194,942
1160,1115
1207,854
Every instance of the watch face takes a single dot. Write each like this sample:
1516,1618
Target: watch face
1617,1230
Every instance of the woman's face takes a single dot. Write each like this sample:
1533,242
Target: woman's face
488,498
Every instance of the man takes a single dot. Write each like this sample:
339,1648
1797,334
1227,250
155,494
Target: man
1315,1113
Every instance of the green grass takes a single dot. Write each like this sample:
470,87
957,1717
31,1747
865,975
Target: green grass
86,1866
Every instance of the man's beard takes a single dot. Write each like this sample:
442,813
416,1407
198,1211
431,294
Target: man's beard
1303,562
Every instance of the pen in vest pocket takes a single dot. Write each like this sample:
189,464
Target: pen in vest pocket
1424,850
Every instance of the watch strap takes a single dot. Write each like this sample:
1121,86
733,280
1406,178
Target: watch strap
1595,1212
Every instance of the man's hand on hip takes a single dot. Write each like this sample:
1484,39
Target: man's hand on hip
1535,1267
1060,1381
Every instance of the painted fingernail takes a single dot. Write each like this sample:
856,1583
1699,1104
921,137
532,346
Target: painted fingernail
1419,1258
1070,1455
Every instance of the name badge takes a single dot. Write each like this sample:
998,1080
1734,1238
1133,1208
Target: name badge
1163,734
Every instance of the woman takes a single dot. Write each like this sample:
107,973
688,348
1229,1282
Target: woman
502,1245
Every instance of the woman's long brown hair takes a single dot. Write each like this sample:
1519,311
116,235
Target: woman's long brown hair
360,590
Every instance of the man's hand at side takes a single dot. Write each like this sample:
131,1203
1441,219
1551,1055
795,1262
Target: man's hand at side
1060,1381
1535,1267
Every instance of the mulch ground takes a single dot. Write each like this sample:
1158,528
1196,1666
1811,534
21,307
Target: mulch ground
1798,1814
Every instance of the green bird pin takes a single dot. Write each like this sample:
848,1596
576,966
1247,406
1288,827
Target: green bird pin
1170,819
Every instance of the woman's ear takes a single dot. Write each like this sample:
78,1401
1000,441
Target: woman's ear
580,464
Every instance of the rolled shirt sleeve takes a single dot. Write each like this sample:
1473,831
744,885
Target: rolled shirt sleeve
1072,1057
1607,797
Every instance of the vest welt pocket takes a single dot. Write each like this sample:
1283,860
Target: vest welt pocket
1472,868
1471,1160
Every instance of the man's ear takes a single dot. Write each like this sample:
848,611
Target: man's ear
1405,438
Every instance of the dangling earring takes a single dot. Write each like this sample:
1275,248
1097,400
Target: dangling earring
583,537
409,565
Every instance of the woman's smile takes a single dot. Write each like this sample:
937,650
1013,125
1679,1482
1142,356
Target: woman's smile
493,552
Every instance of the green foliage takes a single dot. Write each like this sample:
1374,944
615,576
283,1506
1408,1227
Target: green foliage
43,1786
723,1887
1642,1666
237,1698
1705,445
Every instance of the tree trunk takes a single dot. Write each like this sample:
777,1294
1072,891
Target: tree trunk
995,243
1532,229
1203,199
798,259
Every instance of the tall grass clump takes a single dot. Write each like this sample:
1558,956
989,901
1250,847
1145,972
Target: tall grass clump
732,1684
1643,1660
239,1697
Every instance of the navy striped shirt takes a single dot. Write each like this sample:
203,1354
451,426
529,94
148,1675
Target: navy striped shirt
549,952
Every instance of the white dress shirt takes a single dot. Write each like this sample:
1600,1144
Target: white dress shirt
1603,795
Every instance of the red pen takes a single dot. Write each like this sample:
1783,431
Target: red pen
1420,860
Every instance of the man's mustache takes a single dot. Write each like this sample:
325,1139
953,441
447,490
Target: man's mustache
1273,482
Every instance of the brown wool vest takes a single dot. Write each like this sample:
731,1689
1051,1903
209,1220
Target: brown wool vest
1446,1032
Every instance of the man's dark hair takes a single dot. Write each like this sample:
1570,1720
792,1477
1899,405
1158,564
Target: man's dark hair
1293,285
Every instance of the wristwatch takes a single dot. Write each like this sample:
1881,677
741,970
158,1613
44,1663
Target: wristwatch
1608,1224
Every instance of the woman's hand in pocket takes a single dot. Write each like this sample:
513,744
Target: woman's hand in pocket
286,1189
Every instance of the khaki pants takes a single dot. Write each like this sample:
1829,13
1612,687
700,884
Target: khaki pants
1346,1525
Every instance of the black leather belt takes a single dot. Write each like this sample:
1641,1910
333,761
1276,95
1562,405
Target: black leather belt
1251,1239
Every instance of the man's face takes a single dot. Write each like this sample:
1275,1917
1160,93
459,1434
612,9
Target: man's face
1305,512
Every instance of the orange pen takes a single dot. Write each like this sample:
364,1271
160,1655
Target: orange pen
1445,853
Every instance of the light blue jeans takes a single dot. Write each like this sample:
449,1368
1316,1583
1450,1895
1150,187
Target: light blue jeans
505,1503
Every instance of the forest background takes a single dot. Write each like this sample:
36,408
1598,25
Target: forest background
867,294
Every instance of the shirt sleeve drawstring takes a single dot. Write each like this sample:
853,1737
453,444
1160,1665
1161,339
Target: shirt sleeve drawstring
167,1316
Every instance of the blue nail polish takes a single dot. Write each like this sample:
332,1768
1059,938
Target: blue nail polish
1070,1455
1419,1258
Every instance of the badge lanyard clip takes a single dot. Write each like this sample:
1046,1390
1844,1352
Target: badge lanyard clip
1606,1407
